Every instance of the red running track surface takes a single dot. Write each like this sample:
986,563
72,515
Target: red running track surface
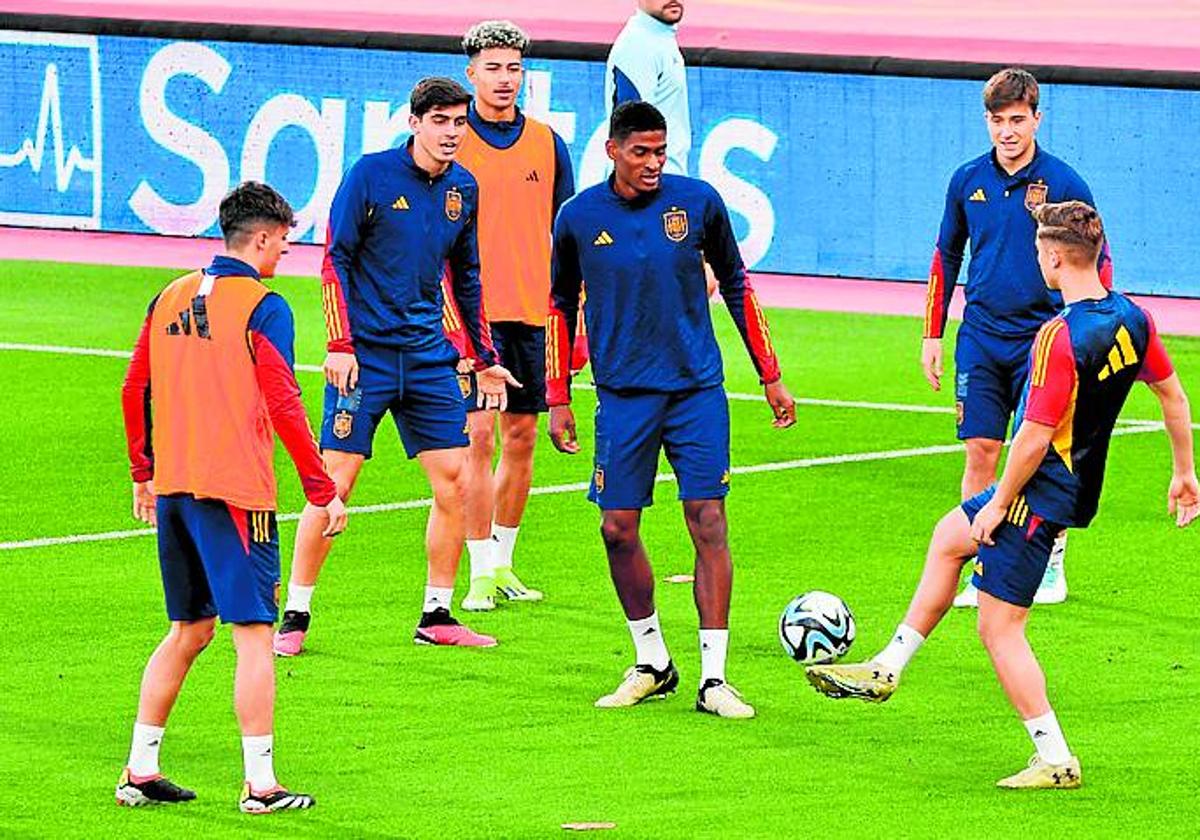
1135,34
1175,316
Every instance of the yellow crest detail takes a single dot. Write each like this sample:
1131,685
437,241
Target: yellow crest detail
604,238
675,224
454,204
1035,196
978,195
598,480
343,422
400,203
464,384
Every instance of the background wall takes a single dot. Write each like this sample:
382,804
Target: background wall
834,174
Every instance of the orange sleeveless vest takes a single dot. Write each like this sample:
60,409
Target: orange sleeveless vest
212,436
516,199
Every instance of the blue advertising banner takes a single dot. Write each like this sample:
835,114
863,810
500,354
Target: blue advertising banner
824,173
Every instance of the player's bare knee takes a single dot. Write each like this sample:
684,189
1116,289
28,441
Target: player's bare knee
519,439
192,637
982,456
618,533
483,443
993,629
707,523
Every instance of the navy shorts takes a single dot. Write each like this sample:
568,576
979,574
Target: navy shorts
989,375
692,427
218,560
522,349
421,391
1012,569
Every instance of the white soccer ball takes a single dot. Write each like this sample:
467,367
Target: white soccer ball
816,628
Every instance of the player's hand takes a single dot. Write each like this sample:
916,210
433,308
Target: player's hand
931,362
145,502
1183,499
341,371
465,366
562,429
492,390
782,404
336,511
986,521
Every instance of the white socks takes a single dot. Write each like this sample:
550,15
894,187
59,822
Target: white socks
257,755
143,753
437,597
903,646
299,597
1048,738
481,556
648,641
713,646
505,540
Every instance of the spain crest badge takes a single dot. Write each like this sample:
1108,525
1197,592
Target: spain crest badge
1035,196
675,224
464,384
343,422
454,204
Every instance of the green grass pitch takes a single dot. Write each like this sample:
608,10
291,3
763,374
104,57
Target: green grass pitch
402,741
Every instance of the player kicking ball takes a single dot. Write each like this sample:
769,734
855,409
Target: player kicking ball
1081,368
641,239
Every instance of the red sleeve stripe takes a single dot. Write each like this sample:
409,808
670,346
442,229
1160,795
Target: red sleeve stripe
934,295
760,337
333,325
333,302
1041,351
558,359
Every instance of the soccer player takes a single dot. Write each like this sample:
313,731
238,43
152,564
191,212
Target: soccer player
990,202
1081,368
398,219
638,240
214,363
524,175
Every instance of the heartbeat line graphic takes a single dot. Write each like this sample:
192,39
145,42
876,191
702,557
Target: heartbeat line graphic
33,151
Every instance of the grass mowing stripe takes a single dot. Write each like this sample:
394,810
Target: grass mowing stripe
1139,427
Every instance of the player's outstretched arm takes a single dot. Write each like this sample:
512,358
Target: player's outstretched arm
1183,495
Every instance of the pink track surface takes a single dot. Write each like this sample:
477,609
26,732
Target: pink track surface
1176,316
1147,34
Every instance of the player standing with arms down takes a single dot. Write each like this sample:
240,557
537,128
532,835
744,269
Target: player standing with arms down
638,239
1081,368
399,218
214,361
990,202
524,175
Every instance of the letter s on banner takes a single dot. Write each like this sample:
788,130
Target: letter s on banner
743,198
189,141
